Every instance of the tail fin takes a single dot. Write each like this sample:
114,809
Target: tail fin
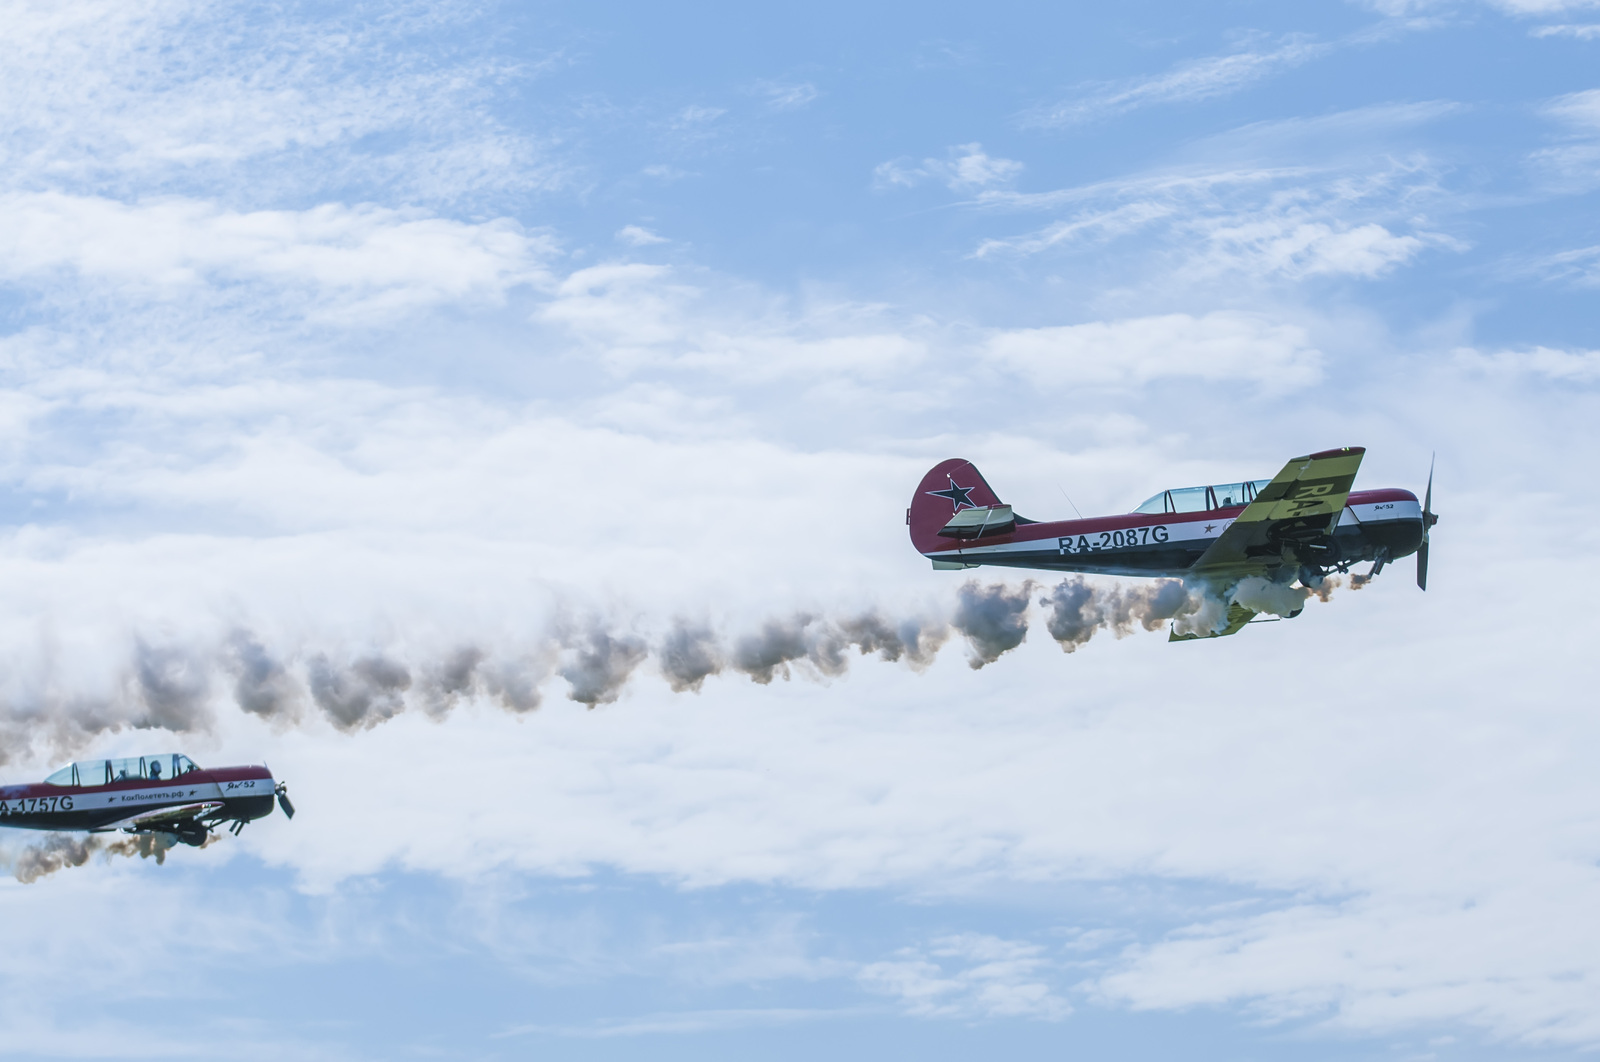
948,488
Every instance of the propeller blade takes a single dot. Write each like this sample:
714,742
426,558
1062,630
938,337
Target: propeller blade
1427,503
1428,520
283,799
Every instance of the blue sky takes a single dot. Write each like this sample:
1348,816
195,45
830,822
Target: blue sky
340,342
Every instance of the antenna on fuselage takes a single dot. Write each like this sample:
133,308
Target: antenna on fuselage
1070,502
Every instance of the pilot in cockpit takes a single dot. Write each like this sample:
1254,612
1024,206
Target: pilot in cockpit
155,770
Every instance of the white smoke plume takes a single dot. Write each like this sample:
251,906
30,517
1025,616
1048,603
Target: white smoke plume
993,618
689,655
58,851
175,688
1079,608
601,664
362,695
1275,599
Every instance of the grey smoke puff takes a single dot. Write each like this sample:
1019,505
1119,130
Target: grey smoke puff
148,845
262,685
600,666
516,684
61,850
1073,615
451,680
766,655
367,693
688,655
915,639
1167,599
53,853
1079,608
993,618
173,685
824,645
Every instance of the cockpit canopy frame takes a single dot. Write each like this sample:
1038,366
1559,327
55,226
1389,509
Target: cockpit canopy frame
1203,499
125,769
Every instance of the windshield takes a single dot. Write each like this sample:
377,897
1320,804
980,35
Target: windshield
129,768
1201,499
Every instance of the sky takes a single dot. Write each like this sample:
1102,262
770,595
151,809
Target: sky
499,419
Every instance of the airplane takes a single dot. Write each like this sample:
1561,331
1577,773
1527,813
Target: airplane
1301,524
145,794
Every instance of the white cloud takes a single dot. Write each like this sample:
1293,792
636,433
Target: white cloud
1195,79
1580,266
1129,353
633,315
663,172
639,236
1300,248
1542,7
698,114
360,261
1588,32
1578,109
1268,222
1567,366
967,168
787,95
969,975
1575,161
1376,965
106,95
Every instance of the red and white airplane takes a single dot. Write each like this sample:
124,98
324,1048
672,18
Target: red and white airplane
1299,525
144,794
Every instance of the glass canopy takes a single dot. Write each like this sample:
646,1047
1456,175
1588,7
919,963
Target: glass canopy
1203,499
127,769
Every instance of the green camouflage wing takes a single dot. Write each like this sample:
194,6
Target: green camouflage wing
1301,504
1238,616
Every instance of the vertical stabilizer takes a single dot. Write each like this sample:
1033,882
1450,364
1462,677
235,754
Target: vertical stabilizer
949,488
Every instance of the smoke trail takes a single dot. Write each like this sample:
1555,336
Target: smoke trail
173,687
1277,599
824,646
689,655
262,685
993,618
767,654
601,665
1079,608
361,696
456,677
918,640
515,683
59,851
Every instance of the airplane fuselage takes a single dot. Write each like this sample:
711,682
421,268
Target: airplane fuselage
239,793
1375,524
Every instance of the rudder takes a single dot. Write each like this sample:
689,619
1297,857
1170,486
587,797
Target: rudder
949,487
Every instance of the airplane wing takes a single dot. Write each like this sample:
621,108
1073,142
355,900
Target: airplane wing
154,820
1238,616
1301,504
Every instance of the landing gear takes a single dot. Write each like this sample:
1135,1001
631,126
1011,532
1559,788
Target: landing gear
190,833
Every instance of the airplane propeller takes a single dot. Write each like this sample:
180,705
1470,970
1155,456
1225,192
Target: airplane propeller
1429,518
282,792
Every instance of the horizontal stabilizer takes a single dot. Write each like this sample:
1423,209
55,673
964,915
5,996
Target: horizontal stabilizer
980,523
1238,616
